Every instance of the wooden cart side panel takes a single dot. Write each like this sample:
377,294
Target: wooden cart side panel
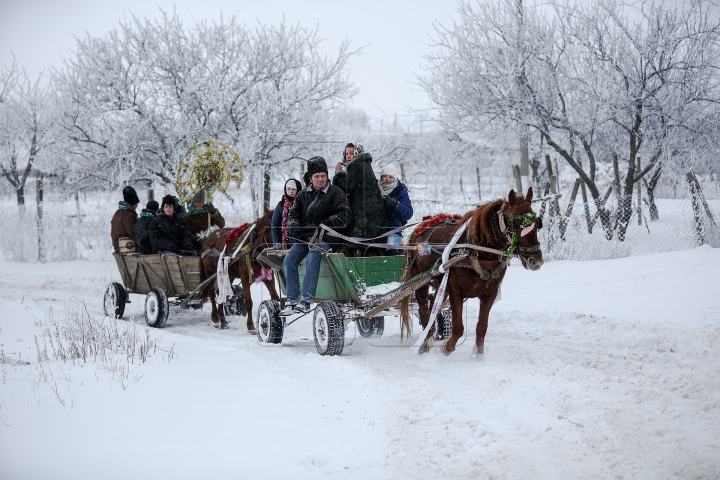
124,274
192,268
378,270
346,284
154,269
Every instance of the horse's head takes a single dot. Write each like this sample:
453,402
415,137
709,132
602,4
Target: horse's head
521,227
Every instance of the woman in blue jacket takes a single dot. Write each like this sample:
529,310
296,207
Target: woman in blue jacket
397,204
280,234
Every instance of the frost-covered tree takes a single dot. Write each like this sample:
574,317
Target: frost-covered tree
136,99
592,79
25,123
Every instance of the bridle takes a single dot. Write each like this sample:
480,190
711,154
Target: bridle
508,231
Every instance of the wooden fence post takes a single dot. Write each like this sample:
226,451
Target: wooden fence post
639,200
699,227
39,177
564,221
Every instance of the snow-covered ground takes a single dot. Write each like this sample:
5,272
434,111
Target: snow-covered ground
594,369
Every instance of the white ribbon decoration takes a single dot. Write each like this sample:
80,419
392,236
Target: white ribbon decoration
440,293
223,278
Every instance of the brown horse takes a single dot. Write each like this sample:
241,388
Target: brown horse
507,225
260,239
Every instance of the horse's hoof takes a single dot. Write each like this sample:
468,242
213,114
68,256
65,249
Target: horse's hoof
479,350
445,350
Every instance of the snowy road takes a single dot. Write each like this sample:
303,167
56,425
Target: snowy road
592,369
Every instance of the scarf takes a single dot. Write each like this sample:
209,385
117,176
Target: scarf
123,207
147,214
387,189
194,210
287,204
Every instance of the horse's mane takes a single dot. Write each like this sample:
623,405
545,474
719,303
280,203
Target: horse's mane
262,230
481,222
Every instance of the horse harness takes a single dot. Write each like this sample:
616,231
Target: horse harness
244,252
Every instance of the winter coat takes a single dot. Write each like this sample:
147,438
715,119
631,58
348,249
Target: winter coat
368,209
141,233
122,224
398,216
169,234
311,208
199,222
279,221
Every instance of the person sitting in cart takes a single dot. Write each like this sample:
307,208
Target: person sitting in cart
280,234
200,217
397,204
349,152
318,204
124,219
168,233
366,201
141,234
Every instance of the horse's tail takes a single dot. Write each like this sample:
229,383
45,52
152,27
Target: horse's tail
404,304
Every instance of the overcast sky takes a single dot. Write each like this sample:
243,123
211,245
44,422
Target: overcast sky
396,34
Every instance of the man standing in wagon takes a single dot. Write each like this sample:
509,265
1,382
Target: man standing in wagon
320,203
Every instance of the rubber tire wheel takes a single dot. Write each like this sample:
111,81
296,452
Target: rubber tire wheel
268,322
157,308
443,325
114,300
328,328
372,327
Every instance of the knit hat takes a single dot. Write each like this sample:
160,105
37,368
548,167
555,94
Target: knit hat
316,165
198,197
363,157
168,200
389,169
152,205
292,183
129,196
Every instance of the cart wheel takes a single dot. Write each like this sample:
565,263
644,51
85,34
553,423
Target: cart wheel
370,327
114,301
269,325
156,308
443,325
328,328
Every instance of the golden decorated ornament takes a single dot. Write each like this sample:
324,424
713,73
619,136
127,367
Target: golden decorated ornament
209,166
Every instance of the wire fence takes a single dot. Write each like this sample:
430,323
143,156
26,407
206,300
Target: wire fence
683,213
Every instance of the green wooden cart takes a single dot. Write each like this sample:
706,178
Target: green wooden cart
341,298
159,278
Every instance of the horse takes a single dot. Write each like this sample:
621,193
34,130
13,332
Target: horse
507,225
246,269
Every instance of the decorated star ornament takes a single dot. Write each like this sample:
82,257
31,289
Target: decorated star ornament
211,166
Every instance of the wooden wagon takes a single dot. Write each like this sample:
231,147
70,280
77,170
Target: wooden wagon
341,298
160,278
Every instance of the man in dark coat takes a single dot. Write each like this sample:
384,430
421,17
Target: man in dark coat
200,217
141,234
318,204
124,219
368,209
168,233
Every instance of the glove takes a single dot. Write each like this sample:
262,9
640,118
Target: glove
390,202
210,208
277,246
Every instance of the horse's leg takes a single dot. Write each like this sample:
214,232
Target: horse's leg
214,316
482,325
246,283
458,329
421,296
